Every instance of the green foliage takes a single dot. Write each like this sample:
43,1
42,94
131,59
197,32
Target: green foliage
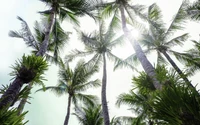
11,117
30,69
89,115
176,105
74,82
193,10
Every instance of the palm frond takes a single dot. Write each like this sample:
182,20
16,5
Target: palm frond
177,40
24,33
85,86
178,20
87,99
193,10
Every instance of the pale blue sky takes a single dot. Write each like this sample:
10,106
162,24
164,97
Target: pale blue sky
46,108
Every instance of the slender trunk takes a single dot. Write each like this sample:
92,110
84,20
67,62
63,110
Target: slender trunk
176,68
68,110
147,66
103,94
45,43
22,103
41,52
11,93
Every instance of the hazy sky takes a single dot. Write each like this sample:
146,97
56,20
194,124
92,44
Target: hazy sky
46,108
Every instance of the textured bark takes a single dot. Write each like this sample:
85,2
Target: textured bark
68,110
11,93
41,52
147,66
176,68
45,43
22,103
103,94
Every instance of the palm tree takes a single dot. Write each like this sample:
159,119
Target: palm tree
57,41
64,9
194,11
89,115
73,83
159,38
99,44
142,93
122,6
29,68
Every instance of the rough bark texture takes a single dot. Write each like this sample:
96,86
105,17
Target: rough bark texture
176,68
147,66
103,94
22,103
11,93
68,110
41,52
45,43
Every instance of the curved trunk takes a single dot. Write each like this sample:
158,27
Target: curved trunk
68,110
22,103
176,68
148,68
45,43
11,93
103,94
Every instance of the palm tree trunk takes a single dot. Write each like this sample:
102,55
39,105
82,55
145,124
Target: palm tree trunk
41,52
176,68
68,110
148,68
22,103
103,94
11,93
45,43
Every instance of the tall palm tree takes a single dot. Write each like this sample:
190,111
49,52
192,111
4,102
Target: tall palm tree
73,83
64,9
122,6
89,115
28,69
57,41
159,38
99,44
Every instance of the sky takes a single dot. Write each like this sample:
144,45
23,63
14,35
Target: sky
46,108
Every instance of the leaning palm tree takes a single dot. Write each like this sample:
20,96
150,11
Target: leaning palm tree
73,83
64,9
57,41
99,44
122,6
89,115
29,68
159,38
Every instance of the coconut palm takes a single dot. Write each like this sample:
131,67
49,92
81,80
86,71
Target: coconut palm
73,83
99,44
89,115
57,41
29,68
159,38
122,7
65,9
139,97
